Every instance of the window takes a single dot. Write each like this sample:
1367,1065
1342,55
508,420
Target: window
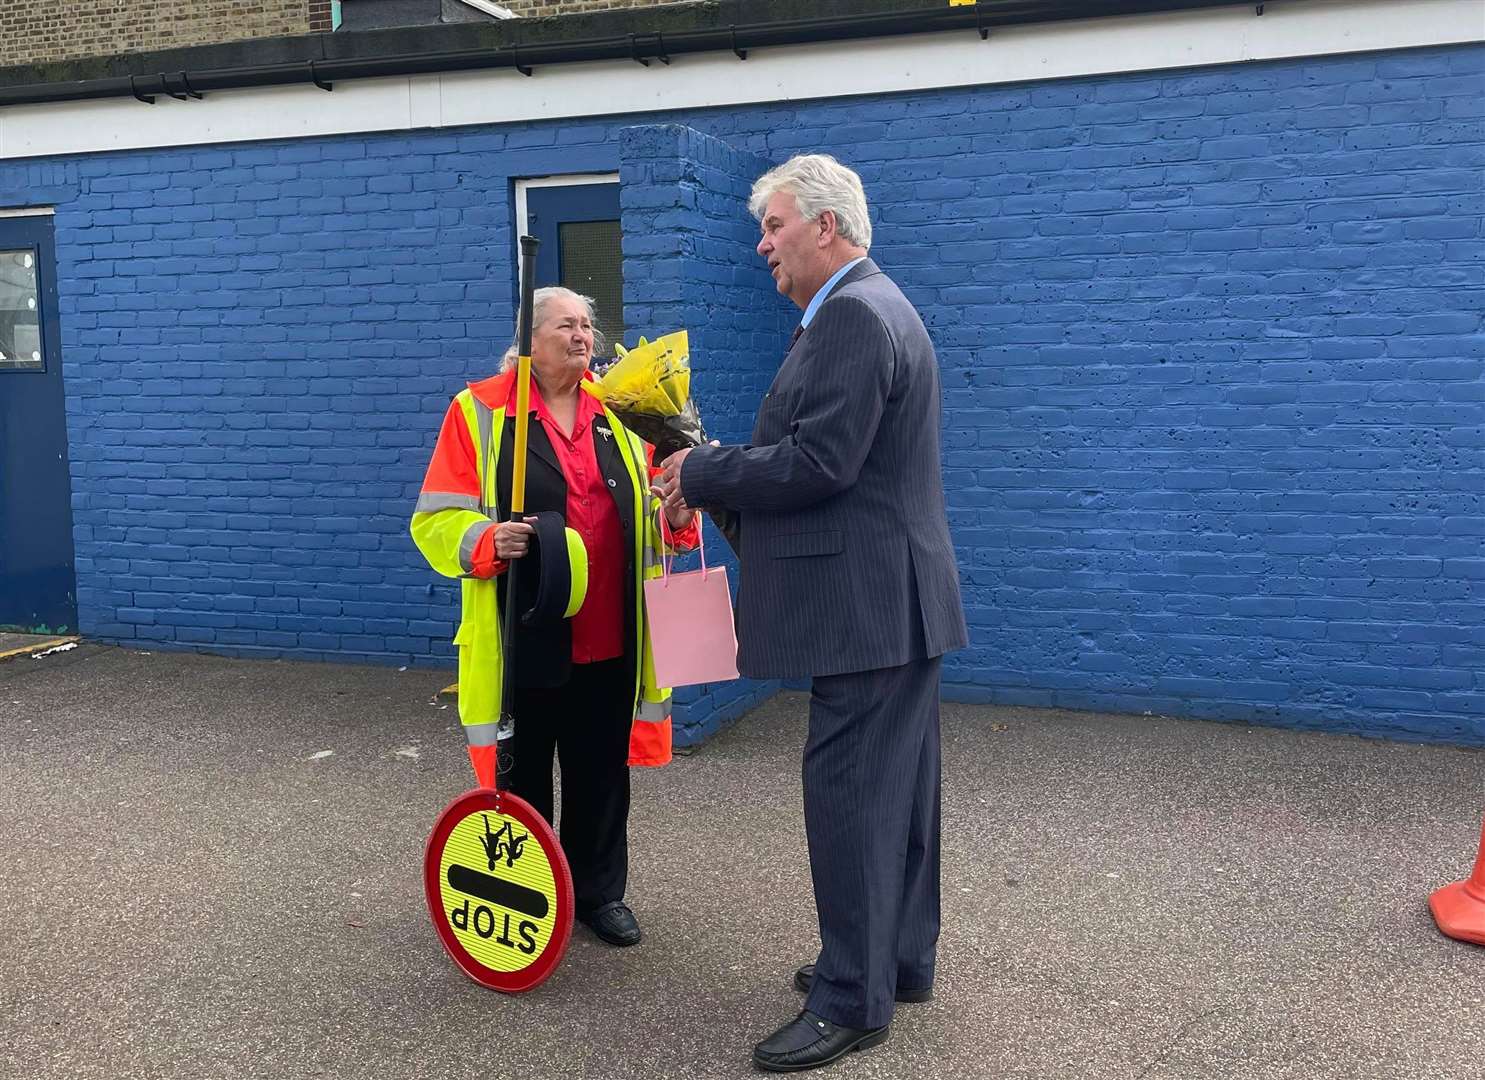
20,316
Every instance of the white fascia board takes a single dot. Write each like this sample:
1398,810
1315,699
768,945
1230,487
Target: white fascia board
498,11
1154,42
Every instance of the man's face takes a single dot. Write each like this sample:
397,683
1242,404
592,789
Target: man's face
794,249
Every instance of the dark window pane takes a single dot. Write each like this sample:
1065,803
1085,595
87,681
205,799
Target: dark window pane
592,264
20,325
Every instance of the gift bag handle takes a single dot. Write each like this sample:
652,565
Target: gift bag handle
667,540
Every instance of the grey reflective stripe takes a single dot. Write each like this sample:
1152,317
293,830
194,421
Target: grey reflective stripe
430,503
652,712
467,542
483,417
482,734
649,557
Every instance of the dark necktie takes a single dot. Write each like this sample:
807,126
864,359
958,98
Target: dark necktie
795,336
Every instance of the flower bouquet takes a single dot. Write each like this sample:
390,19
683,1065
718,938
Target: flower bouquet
648,388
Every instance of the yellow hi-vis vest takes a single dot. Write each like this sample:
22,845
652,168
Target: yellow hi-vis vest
446,528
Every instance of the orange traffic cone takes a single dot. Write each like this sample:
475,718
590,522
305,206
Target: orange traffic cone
1459,909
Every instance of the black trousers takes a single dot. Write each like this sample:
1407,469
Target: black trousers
871,815
586,722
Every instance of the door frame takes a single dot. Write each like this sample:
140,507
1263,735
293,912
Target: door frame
548,259
570,180
49,319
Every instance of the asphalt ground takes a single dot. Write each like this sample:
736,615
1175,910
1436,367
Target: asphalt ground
191,887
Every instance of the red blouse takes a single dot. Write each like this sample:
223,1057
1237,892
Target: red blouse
598,626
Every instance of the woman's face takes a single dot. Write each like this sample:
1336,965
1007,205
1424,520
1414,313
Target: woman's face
562,343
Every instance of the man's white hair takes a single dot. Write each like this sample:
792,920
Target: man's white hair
539,301
818,183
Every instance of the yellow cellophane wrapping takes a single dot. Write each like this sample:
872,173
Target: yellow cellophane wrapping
654,377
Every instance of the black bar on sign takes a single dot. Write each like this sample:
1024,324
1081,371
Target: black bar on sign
508,894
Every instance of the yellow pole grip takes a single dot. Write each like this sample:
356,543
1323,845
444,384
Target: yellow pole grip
523,420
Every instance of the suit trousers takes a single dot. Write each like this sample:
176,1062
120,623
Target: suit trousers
586,721
871,814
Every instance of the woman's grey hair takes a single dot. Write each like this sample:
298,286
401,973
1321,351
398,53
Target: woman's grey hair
539,300
818,183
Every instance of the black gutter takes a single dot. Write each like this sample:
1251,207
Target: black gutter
146,81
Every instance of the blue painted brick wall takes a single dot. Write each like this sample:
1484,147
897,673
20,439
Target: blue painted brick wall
1211,347
689,262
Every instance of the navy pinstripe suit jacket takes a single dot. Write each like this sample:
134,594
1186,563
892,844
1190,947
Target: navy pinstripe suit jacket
843,540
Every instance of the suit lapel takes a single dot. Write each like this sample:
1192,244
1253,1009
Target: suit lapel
615,475
864,269
541,448
538,446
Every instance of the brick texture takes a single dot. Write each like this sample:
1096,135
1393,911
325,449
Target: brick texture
67,29
689,262
1211,345
320,16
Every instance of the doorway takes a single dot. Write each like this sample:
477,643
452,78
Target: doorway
38,582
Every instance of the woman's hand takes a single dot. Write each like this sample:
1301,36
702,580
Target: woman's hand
678,518
667,486
512,539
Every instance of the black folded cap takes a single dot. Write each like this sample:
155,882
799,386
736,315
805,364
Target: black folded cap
553,579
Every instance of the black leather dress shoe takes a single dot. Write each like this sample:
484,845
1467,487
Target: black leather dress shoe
805,977
614,923
809,1041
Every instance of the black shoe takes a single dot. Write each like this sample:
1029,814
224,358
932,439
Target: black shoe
614,923
809,1041
805,977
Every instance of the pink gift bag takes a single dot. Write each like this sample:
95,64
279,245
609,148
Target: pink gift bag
691,632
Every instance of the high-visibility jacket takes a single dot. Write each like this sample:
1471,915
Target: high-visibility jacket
458,503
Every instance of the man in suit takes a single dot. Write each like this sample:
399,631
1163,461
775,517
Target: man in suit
848,577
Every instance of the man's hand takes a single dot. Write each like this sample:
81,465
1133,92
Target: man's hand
667,486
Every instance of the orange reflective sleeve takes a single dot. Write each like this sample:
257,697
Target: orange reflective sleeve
453,469
483,561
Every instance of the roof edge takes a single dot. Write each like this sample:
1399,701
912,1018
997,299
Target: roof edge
645,34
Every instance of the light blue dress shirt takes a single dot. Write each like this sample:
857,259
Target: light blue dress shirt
820,297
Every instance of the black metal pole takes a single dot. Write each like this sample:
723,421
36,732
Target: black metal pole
529,244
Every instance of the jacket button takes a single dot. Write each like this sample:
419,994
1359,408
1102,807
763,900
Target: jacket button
613,483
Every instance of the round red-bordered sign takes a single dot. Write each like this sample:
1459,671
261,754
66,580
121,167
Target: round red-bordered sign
499,890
